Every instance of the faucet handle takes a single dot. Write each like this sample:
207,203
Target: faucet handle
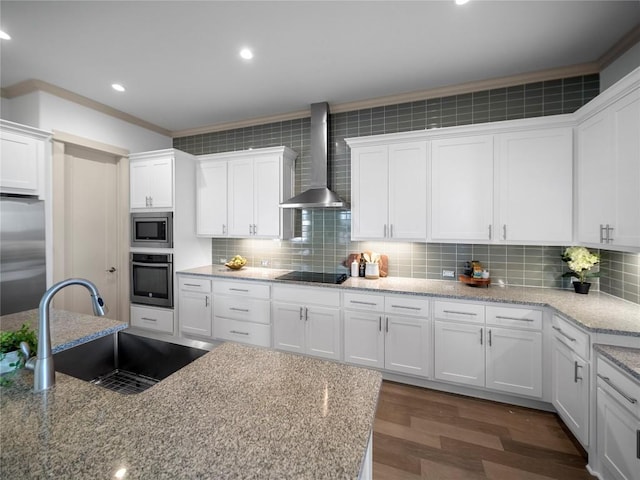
29,361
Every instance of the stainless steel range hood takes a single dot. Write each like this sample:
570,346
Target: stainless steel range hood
318,195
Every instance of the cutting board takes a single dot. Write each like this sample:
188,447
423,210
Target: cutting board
383,262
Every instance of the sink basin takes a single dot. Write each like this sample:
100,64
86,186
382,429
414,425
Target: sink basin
126,362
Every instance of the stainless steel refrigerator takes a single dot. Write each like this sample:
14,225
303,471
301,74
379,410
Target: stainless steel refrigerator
22,253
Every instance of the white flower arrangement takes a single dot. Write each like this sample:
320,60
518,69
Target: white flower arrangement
580,261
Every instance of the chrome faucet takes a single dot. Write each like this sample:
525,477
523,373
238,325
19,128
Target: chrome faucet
42,364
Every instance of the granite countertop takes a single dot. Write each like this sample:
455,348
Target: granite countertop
628,359
596,312
236,412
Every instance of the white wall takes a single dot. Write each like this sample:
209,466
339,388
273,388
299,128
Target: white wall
623,65
49,112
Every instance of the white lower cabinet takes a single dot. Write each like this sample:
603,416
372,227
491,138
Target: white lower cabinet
152,318
195,306
311,327
376,336
499,349
618,423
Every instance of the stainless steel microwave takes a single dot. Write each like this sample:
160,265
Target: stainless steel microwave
152,229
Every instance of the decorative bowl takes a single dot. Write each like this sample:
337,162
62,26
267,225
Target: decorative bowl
236,263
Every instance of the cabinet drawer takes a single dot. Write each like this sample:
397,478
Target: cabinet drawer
619,385
363,301
244,332
407,305
514,317
247,309
194,284
247,289
300,295
465,312
572,336
157,319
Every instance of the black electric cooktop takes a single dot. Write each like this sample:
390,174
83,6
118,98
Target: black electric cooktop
314,277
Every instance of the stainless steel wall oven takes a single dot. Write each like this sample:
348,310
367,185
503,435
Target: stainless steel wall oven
152,279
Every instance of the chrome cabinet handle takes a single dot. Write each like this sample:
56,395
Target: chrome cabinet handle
576,366
250,229
380,323
489,337
300,313
608,381
609,239
481,330
601,233
358,302
192,285
489,231
504,231
386,328
514,318
638,444
224,229
385,231
391,230
306,314
149,319
407,307
234,309
460,313
238,333
239,290
559,330
206,300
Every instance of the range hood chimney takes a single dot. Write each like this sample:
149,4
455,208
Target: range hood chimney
318,195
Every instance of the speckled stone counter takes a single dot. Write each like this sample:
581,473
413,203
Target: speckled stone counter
67,328
597,312
628,359
237,412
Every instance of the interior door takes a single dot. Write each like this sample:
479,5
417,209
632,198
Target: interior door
90,227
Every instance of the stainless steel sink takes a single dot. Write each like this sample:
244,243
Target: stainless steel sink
126,362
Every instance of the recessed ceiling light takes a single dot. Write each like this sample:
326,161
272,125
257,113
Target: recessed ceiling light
246,53
461,2
117,87
4,35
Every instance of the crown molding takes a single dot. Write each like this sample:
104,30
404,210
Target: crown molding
627,41
33,85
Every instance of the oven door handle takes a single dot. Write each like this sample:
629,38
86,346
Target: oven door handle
156,265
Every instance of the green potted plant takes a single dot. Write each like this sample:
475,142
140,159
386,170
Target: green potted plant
580,260
11,357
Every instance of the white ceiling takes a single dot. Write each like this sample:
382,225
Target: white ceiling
179,59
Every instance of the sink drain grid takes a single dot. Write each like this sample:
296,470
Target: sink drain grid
125,382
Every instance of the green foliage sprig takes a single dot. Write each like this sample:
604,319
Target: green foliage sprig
9,342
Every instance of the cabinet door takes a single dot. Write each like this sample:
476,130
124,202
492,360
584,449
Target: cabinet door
288,327
462,189
408,191
323,332
211,199
18,163
459,353
139,173
535,186
194,313
161,183
266,200
595,181
363,339
626,152
369,192
241,197
570,390
618,439
406,345
514,361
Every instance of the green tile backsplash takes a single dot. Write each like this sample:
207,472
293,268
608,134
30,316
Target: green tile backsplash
323,236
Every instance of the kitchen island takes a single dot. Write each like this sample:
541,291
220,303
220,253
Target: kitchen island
236,412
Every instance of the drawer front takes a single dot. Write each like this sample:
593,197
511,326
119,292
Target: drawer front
619,385
243,332
514,317
307,295
238,308
246,289
407,305
194,284
572,336
362,301
464,312
160,320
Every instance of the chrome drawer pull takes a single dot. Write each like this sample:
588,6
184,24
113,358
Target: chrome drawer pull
481,330
460,313
149,319
406,307
373,304
608,381
239,333
638,444
239,290
575,372
563,334
234,309
192,285
514,318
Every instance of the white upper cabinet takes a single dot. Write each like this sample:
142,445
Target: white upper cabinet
534,186
22,159
239,193
608,168
388,190
462,189
151,180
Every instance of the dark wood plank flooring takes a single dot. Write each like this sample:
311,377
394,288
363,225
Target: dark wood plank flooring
425,434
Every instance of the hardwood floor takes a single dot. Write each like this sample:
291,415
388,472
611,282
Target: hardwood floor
425,434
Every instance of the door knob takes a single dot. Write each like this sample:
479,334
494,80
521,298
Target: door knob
111,270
